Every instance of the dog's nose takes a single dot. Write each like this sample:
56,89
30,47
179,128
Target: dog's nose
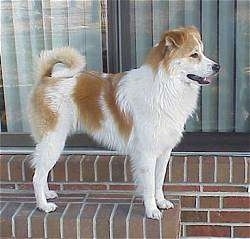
215,67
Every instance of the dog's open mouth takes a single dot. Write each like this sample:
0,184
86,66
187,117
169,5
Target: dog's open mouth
199,79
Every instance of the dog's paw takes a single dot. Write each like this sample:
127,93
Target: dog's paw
164,204
48,207
51,194
154,213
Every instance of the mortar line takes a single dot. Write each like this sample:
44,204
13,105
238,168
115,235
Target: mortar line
95,167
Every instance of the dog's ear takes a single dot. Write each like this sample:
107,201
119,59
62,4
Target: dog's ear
174,38
194,30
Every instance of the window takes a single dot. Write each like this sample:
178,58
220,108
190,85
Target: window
28,27
224,106
116,36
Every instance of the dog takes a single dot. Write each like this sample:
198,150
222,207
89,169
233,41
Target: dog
141,112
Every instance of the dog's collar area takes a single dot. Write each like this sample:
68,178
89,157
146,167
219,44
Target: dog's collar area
199,79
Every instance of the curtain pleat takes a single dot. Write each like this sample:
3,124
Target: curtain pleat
210,39
226,56
242,79
9,69
143,24
193,17
23,56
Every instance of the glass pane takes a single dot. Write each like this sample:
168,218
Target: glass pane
27,28
224,106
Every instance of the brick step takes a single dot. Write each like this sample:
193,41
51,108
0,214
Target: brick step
89,215
103,168
103,172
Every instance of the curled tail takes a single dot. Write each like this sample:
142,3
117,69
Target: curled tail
73,63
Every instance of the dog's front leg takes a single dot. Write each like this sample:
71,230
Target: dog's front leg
160,171
145,178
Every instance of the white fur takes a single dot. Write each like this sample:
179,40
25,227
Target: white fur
159,103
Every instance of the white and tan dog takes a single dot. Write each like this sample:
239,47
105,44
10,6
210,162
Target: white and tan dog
141,112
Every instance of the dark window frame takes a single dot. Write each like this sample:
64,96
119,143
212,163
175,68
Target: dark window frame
191,142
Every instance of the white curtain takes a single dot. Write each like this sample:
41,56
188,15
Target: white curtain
29,26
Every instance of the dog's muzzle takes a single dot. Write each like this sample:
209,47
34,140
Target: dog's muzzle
199,79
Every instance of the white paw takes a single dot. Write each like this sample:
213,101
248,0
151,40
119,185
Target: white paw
51,194
154,213
48,207
164,204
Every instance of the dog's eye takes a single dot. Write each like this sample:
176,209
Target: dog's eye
194,55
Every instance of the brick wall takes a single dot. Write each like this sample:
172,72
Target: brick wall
213,190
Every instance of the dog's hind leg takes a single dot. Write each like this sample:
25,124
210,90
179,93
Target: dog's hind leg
45,156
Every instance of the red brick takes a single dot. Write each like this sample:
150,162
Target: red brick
152,228
102,166
29,186
126,187
54,186
166,179
59,169
37,224
25,186
102,220
242,232
193,169
136,221
188,201
73,165
21,222
69,220
87,168
110,200
64,198
224,189
171,222
248,169
129,170
209,202
177,169
84,186
181,188
236,202
193,216
28,170
7,185
109,195
16,168
4,159
118,168
5,222
208,231
230,217
223,169
238,170
208,169
119,221
86,220
53,222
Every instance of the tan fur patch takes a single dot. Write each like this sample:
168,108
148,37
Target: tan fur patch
86,95
44,118
123,121
176,43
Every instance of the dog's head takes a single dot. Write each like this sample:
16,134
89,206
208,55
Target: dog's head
180,52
